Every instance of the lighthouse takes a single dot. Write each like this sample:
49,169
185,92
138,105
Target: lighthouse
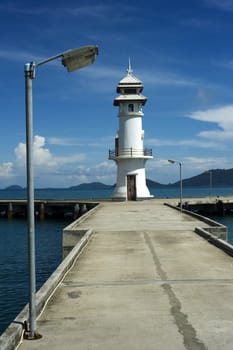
129,153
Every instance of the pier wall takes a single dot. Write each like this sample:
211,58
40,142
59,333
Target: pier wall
213,227
72,234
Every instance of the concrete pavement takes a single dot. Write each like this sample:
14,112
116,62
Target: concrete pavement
144,281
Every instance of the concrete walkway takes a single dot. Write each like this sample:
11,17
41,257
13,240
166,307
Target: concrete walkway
145,281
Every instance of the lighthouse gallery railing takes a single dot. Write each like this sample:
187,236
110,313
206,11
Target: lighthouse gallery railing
130,152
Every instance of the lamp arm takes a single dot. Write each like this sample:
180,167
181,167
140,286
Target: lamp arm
30,68
49,59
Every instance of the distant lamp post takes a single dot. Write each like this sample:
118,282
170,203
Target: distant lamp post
181,189
210,183
72,60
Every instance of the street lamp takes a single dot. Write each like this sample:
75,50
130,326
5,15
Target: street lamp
180,165
72,60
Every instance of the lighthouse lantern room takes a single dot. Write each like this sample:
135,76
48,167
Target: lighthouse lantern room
129,153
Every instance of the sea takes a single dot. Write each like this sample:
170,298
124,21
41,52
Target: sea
13,238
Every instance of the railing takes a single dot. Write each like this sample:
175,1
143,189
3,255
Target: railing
130,152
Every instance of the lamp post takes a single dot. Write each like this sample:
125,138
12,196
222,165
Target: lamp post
73,59
181,189
211,182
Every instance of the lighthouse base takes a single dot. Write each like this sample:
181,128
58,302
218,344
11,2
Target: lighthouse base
121,198
131,184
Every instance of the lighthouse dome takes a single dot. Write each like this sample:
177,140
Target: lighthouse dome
130,83
129,89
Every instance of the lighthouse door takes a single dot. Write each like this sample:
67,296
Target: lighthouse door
131,188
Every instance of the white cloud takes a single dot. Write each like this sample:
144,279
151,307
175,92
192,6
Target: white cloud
61,171
20,152
206,162
93,143
218,135
6,169
43,160
222,116
99,170
65,141
41,155
191,163
197,143
70,159
105,169
62,141
102,172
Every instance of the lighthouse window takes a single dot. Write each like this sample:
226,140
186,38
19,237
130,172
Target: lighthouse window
130,107
130,91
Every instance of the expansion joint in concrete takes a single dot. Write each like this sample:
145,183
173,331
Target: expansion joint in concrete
188,332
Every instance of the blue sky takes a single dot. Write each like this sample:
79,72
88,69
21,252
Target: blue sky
181,50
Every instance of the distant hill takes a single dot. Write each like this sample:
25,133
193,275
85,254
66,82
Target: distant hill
14,188
153,184
219,177
91,186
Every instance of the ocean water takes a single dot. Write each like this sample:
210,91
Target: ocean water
14,262
13,238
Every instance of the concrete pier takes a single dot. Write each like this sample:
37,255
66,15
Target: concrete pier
210,206
45,208
146,281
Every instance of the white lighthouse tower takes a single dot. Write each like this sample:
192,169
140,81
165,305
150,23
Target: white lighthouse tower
129,154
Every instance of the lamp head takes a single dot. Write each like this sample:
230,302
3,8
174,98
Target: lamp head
171,161
79,58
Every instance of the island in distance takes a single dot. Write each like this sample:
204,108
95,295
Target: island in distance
219,177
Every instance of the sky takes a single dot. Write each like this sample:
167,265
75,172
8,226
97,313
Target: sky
182,52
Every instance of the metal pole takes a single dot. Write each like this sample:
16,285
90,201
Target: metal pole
210,183
181,195
29,75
